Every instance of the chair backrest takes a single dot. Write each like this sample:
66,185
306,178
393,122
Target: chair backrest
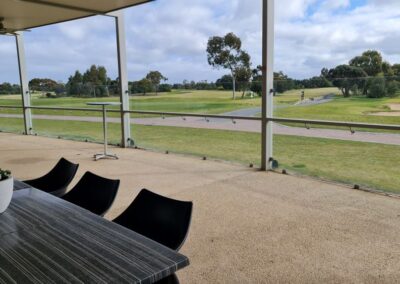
94,193
159,218
57,180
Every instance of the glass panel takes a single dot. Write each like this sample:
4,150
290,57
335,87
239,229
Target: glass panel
11,119
198,136
64,125
369,165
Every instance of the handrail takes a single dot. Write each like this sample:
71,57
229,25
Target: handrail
195,115
393,127
336,123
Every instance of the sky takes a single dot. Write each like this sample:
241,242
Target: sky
171,36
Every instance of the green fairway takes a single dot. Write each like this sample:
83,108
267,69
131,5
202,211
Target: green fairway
293,96
354,109
373,165
191,101
210,102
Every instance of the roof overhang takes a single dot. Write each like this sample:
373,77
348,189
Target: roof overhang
27,14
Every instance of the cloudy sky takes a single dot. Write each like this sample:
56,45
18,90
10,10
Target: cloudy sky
171,36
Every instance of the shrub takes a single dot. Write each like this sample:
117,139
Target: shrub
377,88
392,88
4,174
164,88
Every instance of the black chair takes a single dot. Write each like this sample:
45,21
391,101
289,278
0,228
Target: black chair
57,180
93,193
159,218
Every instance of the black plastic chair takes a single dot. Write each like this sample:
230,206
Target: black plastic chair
93,193
57,180
159,218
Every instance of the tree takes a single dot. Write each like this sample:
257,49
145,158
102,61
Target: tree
377,88
243,76
257,81
225,82
387,69
166,88
144,86
391,88
93,82
7,89
226,52
74,84
345,77
155,77
282,82
370,61
396,70
43,85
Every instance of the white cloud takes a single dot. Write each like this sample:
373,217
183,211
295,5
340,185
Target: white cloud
171,35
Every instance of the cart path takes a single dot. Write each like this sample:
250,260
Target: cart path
240,125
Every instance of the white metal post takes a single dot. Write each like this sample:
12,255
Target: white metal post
26,98
123,77
268,37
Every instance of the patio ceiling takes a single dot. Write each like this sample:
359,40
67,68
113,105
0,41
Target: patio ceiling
26,14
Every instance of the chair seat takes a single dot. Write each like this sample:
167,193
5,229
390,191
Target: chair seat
159,218
57,180
93,193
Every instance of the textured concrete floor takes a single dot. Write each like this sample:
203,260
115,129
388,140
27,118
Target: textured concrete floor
248,226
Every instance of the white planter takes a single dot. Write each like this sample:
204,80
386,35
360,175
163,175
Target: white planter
6,193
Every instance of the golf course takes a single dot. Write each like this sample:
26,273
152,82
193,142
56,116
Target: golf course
372,165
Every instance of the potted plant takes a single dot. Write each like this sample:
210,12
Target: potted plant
6,189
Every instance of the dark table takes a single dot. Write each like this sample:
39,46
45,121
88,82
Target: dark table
44,239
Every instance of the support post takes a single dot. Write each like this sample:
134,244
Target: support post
123,78
26,98
268,36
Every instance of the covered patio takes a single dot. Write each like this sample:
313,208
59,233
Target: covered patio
247,226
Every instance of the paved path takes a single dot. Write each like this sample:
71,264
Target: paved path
242,125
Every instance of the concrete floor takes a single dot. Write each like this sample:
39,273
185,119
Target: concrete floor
248,226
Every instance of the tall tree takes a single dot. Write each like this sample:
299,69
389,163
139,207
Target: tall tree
155,78
93,82
226,52
347,77
370,61
74,84
44,85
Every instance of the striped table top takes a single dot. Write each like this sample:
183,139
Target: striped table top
44,239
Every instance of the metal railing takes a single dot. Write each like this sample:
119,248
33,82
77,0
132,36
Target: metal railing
393,127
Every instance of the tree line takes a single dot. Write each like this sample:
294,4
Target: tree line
367,74
7,88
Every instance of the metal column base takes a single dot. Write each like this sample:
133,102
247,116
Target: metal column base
105,156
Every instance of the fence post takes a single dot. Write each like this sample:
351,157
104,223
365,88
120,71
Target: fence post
26,98
123,78
268,35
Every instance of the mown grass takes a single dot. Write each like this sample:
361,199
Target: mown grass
354,109
210,102
372,165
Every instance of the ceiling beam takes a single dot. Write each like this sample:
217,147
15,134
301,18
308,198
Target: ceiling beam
63,6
